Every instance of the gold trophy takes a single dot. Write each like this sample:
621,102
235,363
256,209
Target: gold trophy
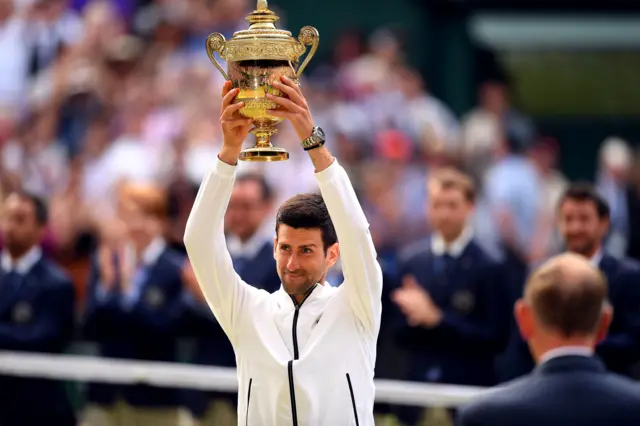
255,59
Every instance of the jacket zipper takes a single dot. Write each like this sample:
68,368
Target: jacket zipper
294,331
353,400
248,401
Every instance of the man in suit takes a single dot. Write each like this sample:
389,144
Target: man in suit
36,315
134,311
250,243
583,221
452,295
563,314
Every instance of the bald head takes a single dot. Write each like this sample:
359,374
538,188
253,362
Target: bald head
567,295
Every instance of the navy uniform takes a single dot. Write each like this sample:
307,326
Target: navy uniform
620,350
468,286
566,389
254,262
36,315
141,324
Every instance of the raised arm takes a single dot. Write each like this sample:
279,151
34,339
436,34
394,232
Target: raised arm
362,273
226,294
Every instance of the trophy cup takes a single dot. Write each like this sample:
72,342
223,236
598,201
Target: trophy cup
255,59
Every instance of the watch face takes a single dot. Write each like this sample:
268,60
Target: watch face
319,133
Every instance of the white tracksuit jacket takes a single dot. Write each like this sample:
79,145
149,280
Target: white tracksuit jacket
307,365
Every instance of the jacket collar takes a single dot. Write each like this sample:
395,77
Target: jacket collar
455,249
24,264
318,291
571,363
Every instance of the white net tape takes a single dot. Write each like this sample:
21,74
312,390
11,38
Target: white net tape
107,370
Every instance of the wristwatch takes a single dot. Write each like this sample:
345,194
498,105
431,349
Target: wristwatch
315,140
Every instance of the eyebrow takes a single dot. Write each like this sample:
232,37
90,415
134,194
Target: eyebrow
301,245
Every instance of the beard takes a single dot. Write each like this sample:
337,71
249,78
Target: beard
297,283
584,247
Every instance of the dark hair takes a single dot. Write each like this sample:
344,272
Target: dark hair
567,301
265,189
585,192
40,208
450,178
308,211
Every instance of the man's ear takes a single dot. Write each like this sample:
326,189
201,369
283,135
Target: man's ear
605,322
333,253
275,246
524,318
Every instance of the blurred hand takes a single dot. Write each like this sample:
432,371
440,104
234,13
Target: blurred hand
416,304
191,282
234,128
294,107
107,268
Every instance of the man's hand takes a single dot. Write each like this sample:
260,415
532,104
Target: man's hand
294,108
234,128
191,282
416,304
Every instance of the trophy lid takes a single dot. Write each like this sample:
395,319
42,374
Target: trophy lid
262,41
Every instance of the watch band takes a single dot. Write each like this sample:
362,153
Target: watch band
314,146
316,139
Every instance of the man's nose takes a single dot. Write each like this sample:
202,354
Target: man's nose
292,264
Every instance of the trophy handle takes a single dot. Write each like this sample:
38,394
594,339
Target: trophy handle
308,36
215,43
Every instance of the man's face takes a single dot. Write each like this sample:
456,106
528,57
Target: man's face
20,228
448,210
141,227
247,209
301,259
581,227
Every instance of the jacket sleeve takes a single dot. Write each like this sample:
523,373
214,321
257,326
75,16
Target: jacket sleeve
226,294
102,315
362,273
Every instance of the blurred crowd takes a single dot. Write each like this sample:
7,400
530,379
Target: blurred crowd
108,111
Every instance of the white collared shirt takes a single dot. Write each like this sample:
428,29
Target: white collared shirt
24,264
250,248
153,251
566,351
596,258
455,249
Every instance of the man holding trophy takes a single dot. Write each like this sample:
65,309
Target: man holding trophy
306,352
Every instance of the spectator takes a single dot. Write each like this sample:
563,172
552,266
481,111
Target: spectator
134,310
36,314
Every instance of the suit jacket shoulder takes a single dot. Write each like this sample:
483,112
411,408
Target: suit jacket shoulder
481,254
52,274
173,258
494,399
416,250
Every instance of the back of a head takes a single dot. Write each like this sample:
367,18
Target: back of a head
568,296
307,211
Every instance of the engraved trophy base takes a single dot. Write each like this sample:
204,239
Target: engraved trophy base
263,151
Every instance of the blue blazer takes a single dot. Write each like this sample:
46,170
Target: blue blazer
564,391
620,350
146,330
37,314
475,326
